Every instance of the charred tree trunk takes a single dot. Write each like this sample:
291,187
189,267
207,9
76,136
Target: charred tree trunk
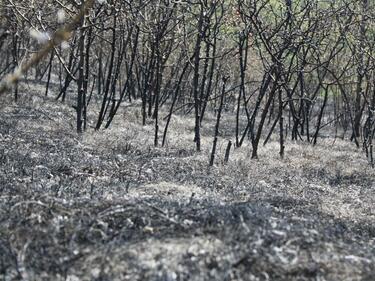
281,125
197,104
50,64
81,79
109,78
217,125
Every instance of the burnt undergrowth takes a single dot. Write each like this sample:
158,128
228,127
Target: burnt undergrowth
98,207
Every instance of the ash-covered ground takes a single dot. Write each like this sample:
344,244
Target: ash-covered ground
108,205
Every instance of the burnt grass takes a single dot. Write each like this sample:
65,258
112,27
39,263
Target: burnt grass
109,206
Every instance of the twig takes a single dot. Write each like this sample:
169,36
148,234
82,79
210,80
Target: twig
21,266
164,214
29,202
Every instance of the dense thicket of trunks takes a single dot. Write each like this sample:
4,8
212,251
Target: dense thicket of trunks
305,65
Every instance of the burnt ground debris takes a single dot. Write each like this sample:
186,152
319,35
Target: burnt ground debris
109,206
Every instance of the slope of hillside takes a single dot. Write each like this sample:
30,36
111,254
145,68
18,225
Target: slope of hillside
109,206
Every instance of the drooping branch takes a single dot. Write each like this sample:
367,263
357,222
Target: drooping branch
61,35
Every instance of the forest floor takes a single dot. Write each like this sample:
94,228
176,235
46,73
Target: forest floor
108,205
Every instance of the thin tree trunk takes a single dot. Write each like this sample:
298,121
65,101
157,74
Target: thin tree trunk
109,78
197,106
218,117
49,72
81,78
281,123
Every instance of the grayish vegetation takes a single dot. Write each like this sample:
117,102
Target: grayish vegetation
111,206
